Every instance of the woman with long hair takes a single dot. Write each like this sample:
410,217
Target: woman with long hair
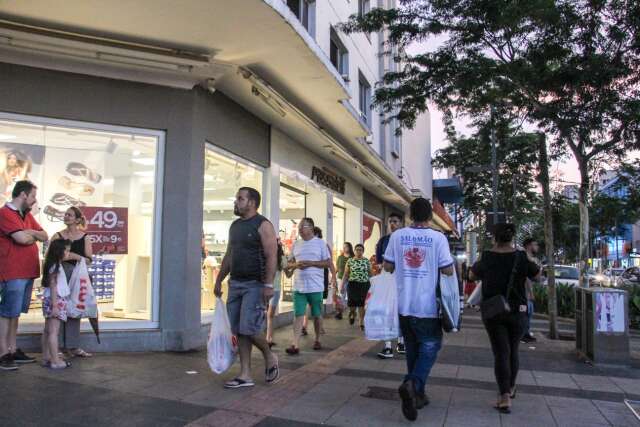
347,253
75,223
503,271
54,302
275,299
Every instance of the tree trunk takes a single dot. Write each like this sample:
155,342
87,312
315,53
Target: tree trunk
583,200
543,179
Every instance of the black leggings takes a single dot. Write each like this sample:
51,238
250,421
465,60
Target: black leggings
505,332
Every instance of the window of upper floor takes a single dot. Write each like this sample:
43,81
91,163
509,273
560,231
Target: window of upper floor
305,11
364,97
364,6
339,55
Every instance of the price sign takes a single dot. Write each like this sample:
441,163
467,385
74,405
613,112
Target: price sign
107,229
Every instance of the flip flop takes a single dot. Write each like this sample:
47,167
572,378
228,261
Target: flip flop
81,353
272,374
56,368
238,383
78,169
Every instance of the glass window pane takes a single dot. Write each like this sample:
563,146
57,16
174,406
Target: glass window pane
110,177
223,175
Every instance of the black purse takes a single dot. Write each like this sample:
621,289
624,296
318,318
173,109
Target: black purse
498,304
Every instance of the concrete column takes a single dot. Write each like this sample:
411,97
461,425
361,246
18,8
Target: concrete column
271,194
180,286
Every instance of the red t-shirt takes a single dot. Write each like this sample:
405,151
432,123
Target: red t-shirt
17,261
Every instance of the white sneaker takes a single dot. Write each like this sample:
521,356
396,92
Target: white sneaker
386,353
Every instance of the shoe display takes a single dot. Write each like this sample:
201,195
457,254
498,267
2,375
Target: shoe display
53,214
21,358
386,353
81,188
63,199
78,169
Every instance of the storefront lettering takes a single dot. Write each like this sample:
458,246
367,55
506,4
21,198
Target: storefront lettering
328,179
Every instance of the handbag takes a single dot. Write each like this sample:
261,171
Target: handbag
498,304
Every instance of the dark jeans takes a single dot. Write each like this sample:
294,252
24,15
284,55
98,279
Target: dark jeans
422,340
505,332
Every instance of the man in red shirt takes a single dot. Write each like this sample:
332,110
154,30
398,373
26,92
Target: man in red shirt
19,266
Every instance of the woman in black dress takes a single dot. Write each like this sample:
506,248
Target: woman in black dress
80,248
505,330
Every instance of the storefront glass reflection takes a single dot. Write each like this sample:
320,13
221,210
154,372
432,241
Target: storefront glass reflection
223,175
110,177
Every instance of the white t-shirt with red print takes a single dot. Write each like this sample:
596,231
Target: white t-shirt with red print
418,255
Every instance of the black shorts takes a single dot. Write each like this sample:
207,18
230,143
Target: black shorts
357,293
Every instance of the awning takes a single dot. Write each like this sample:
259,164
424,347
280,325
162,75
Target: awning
448,190
441,218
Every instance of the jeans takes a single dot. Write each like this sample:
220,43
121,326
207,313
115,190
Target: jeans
505,332
527,326
422,340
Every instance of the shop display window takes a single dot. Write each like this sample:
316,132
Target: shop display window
109,173
371,233
223,175
339,222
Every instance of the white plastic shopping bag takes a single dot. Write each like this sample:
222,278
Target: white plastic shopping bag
381,318
223,345
82,299
450,302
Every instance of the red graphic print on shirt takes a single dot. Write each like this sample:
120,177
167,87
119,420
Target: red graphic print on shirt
414,257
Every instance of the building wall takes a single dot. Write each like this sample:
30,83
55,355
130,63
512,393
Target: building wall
416,159
188,117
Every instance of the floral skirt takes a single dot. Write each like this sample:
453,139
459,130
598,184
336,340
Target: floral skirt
62,308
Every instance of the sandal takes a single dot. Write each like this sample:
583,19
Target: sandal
64,365
272,374
238,383
271,344
317,345
293,350
78,352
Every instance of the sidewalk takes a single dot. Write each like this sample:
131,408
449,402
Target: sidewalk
342,385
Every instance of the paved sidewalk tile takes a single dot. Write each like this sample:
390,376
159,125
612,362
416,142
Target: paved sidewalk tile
595,383
617,414
628,385
582,412
554,379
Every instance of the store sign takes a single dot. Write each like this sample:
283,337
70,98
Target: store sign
327,178
107,229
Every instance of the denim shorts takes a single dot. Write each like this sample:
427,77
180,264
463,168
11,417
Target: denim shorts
15,297
246,307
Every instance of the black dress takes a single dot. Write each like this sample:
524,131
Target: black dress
77,247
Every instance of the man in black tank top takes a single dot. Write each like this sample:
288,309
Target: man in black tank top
251,261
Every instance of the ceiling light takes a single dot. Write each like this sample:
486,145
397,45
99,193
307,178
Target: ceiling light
6,136
208,178
145,173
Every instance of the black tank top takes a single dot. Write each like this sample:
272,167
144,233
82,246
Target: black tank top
247,255
77,247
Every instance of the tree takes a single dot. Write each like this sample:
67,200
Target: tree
515,154
571,67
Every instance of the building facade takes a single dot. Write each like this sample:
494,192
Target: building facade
149,116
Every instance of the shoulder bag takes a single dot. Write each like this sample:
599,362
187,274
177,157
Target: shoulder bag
498,304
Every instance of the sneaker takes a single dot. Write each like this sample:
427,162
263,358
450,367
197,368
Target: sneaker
304,332
21,358
386,353
7,363
408,395
528,339
400,348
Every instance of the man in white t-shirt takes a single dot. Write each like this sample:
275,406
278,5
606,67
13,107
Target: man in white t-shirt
416,254
310,256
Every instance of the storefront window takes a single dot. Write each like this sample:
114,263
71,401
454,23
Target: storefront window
292,209
371,233
223,175
339,221
110,174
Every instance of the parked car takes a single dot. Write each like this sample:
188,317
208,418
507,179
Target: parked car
613,274
630,276
565,274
